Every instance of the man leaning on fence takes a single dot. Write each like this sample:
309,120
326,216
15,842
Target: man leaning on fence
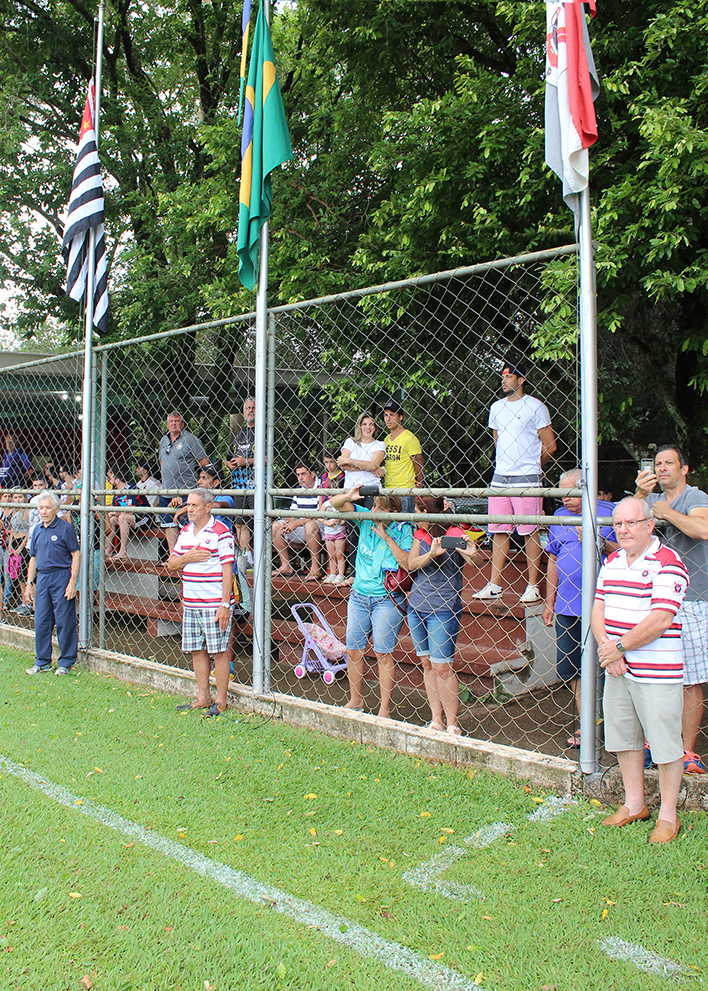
684,511
181,455
524,441
634,620
204,553
54,561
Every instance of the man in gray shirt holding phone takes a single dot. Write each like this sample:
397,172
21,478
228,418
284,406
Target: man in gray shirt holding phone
684,511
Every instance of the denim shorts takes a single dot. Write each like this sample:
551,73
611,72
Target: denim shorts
367,614
434,635
167,520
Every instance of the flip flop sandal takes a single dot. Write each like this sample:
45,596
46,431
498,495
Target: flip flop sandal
193,705
216,709
574,741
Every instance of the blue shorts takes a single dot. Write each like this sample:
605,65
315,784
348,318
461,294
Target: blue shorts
568,636
434,635
367,614
168,519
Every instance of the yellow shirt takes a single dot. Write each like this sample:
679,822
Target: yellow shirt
400,470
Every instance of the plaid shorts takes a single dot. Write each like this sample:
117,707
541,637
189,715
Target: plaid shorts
694,638
200,631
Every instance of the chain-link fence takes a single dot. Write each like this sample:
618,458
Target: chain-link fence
391,386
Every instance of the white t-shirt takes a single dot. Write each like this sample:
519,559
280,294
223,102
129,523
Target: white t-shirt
518,444
362,452
150,485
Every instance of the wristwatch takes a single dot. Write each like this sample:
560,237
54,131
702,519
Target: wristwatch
620,647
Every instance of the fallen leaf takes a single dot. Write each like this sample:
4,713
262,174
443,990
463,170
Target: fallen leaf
42,893
313,832
311,795
605,913
360,898
128,845
238,837
168,929
280,971
479,978
87,982
675,904
445,829
98,770
527,789
556,900
280,767
331,963
596,803
537,800
425,815
489,918
608,902
338,832
75,894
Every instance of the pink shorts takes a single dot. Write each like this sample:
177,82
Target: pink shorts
514,506
333,534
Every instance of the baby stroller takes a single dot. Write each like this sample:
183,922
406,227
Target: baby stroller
329,655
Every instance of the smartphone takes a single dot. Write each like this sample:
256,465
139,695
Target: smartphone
453,543
647,464
369,490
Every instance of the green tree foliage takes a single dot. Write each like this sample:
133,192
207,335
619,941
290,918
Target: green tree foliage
418,137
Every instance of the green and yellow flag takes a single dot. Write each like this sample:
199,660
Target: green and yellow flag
265,144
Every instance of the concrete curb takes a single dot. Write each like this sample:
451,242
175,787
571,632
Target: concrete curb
556,774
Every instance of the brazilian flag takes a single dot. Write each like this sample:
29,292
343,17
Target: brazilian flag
265,144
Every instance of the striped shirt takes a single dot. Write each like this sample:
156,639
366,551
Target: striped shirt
306,503
630,592
202,580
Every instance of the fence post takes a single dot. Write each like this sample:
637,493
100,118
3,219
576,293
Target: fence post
259,481
588,440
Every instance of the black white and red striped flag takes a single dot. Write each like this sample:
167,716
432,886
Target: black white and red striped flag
85,212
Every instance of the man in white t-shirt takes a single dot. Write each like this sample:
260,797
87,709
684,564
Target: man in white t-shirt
524,441
146,484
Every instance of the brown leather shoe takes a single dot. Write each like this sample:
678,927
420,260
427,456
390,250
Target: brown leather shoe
622,817
664,832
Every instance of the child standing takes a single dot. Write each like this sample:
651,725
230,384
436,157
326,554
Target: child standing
334,532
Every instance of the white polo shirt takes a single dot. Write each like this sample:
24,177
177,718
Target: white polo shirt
656,580
202,580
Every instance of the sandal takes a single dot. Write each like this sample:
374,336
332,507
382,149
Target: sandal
454,731
574,741
436,729
196,704
217,709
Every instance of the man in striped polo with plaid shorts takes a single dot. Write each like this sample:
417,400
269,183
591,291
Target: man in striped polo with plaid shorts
204,553
639,593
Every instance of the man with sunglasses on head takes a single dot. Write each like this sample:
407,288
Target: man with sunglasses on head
181,456
684,511
638,633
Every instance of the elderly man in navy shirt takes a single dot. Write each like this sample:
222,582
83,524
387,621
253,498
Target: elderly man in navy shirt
55,559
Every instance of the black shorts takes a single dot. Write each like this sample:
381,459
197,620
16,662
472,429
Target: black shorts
243,502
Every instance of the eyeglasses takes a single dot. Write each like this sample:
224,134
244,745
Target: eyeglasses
630,524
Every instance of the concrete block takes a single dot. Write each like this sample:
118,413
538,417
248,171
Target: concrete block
132,583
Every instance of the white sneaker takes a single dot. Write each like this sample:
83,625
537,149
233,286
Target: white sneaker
37,670
489,591
531,594
60,671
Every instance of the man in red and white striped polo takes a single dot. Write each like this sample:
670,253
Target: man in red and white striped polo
204,553
639,592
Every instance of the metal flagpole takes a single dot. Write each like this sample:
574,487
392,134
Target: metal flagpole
588,444
259,457
86,425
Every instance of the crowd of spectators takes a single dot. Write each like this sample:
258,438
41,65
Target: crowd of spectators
381,562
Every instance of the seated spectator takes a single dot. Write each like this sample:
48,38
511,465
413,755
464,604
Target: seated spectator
304,532
371,611
124,522
240,461
16,468
51,476
362,456
146,483
435,608
564,585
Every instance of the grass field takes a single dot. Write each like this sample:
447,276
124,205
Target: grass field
147,849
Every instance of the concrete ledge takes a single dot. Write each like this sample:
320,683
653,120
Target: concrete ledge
556,774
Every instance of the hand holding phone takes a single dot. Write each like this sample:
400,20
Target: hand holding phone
453,543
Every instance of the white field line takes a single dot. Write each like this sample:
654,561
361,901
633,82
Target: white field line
651,963
429,973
